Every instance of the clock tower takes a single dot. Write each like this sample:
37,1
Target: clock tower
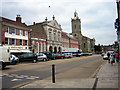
76,28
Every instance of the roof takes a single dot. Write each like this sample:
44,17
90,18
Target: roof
69,35
64,34
13,22
38,29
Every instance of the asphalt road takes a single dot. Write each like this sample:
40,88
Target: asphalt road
15,76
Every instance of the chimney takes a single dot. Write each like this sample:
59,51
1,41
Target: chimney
18,18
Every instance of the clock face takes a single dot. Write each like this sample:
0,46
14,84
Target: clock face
75,35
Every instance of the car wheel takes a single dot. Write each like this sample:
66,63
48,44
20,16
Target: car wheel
15,62
2,66
44,59
34,61
62,57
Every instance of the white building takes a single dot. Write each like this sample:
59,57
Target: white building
53,31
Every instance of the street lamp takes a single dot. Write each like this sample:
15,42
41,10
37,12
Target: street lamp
30,45
0,31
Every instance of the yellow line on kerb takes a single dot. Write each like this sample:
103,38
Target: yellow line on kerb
19,85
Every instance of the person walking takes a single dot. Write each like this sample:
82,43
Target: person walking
112,58
108,54
116,56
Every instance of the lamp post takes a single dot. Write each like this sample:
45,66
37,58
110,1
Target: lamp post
30,45
0,32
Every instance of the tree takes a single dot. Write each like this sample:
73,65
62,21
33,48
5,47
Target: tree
98,48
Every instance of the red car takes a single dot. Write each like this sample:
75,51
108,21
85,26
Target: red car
61,56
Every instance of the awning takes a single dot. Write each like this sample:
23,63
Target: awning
20,51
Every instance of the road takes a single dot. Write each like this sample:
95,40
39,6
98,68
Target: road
15,76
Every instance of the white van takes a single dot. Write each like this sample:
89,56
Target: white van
68,55
4,57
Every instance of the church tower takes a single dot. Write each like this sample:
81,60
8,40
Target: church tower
76,28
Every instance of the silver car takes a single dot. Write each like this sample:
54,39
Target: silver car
42,57
105,57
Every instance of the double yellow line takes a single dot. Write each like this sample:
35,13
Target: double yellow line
19,85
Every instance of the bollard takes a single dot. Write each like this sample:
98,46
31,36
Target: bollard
53,73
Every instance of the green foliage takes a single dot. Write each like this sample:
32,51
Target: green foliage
98,48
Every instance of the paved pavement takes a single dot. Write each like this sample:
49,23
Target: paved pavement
107,77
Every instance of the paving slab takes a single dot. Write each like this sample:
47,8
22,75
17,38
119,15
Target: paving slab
108,76
69,83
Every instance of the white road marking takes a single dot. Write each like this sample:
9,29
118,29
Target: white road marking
15,80
10,76
19,77
30,78
33,77
14,75
24,76
5,74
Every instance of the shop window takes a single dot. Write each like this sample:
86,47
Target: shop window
20,42
6,41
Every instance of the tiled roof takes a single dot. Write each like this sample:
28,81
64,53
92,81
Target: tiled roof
64,34
13,22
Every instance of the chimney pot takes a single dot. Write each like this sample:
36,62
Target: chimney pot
18,18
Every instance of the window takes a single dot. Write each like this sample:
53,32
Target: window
25,42
75,26
44,47
37,47
50,36
20,42
26,33
6,40
17,32
79,26
7,29
58,37
40,47
21,33
84,45
13,41
13,31
55,36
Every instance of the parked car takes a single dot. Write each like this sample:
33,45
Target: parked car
62,56
42,57
28,57
68,55
105,57
102,54
13,59
86,54
50,55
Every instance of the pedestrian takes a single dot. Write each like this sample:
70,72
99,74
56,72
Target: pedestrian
112,58
116,56
113,55
108,54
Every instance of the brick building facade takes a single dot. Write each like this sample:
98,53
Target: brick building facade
14,35
38,38
68,41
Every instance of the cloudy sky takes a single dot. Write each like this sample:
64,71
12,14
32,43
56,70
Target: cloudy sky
97,16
